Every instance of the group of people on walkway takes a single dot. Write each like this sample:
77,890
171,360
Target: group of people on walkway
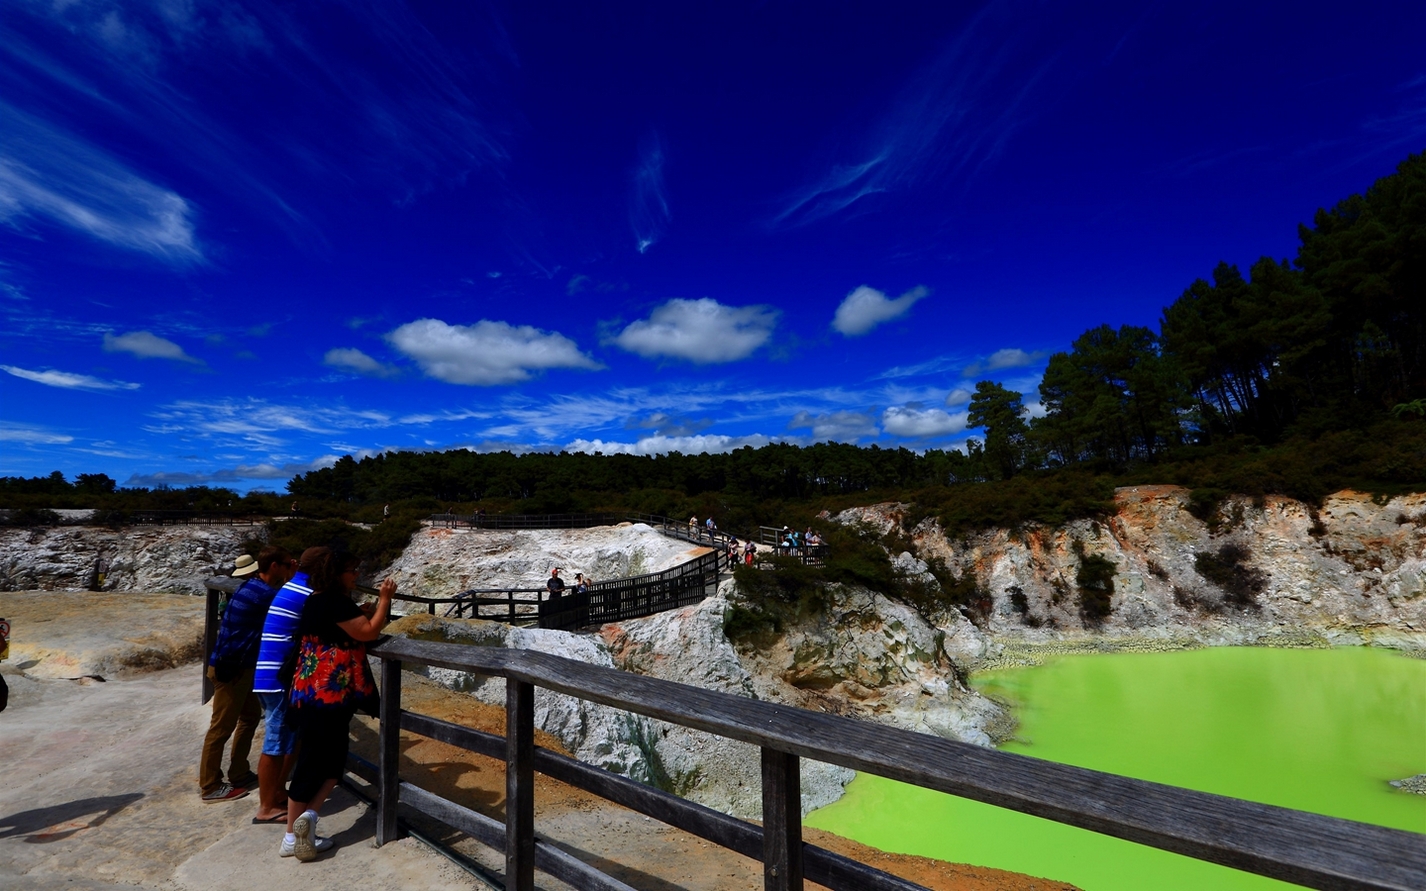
291,652
556,585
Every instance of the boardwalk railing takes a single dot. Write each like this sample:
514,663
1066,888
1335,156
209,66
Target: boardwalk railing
608,601
1293,846
193,518
524,521
697,533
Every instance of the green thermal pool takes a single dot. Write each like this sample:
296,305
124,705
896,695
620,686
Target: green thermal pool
1316,730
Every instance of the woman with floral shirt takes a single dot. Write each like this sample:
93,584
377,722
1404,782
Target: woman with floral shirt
331,682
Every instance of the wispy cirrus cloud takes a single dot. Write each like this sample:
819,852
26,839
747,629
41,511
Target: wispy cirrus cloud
146,345
351,359
67,380
48,174
426,117
866,307
256,424
665,424
953,117
240,473
701,331
26,435
648,199
487,353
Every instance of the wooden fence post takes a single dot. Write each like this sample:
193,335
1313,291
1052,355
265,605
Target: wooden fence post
782,821
210,640
519,785
389,742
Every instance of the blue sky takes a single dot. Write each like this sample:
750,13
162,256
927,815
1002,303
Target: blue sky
239,239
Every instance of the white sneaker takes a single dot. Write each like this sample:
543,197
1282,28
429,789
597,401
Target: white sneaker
321,845
307,844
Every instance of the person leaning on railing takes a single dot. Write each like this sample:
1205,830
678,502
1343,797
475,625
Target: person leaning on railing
331,683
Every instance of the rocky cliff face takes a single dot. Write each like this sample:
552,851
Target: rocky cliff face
687,646
144,558
1271,571
441,562
856,654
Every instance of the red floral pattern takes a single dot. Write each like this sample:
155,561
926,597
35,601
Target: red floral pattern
330,676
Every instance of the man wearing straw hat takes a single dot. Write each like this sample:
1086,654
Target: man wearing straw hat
236,709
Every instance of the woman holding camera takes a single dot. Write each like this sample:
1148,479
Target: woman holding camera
331,682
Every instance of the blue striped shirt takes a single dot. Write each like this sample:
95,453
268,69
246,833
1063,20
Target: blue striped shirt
277,634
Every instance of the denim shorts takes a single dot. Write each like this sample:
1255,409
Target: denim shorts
280,738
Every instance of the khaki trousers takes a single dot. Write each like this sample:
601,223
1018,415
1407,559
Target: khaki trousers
236,713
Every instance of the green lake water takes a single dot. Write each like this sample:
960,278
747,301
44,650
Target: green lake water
1316,730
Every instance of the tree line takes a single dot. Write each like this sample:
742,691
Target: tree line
1333,339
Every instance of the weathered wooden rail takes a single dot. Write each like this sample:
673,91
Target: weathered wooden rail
524,521
193,518
1306,849
613,600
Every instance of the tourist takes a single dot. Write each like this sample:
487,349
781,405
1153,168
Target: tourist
331,683
710,524
4,652
581,584
555,584
750,551
272,681
231,667
693,524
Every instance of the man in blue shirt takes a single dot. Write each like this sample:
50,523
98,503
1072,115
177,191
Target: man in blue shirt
279,746
231,666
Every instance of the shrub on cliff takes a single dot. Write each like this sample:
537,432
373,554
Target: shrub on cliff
377,547
1229,571
1095,580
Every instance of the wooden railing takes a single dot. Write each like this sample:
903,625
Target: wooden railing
193,518
771,540
696,533
524,521
1307,849
607,601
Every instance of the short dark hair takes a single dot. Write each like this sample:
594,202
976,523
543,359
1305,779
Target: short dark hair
270,555
314,559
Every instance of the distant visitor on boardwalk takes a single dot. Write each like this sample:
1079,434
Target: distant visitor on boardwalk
556,584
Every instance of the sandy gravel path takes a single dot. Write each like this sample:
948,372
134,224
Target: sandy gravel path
100,782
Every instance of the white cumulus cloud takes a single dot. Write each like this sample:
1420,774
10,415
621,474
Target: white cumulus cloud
866,307
915,422
1006,358
350,359
487,353
68,380
703,331
662,445
838,426
145,345
958,396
